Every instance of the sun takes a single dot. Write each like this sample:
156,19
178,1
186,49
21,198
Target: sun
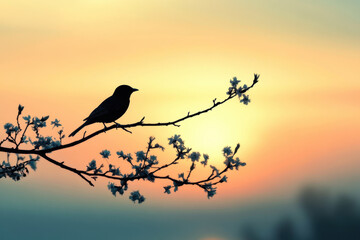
207,136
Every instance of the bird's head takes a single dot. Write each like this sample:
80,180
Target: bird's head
124,90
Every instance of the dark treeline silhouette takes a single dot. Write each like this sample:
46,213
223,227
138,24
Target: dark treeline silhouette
327,219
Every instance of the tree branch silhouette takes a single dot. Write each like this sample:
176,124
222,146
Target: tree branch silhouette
145,166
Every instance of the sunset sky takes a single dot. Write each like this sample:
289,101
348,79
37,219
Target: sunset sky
62,58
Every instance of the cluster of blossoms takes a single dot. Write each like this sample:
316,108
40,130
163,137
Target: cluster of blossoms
214,178
20,170
17,136
36,124
144,165
143,168
235,88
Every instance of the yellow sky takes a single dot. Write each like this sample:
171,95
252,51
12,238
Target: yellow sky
64,58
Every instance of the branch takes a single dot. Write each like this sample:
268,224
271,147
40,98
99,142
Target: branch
206,184
62,165
132,125
144,168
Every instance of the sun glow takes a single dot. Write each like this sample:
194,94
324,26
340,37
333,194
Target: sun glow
208,136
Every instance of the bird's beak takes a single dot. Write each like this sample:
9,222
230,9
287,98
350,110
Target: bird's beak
134,89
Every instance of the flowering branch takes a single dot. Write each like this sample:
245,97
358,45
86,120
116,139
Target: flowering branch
144,167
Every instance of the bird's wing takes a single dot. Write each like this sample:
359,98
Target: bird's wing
102,110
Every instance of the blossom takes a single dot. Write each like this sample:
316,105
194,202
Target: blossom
245,99
206,157
223,179
234,82
239,92
140,155
114,189
194,156
39,123
227,151
229,91
114,170
215,170
10,128
209,189
45,142
120,154
152,160
181,175
27,118
136,196
32,164
167,189
175,139
105,153
91,166
56,123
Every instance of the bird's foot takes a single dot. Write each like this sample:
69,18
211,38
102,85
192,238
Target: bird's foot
117,125
104,128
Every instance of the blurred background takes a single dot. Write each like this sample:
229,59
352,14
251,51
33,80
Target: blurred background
300,135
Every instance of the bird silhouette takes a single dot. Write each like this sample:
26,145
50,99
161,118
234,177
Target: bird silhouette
110,109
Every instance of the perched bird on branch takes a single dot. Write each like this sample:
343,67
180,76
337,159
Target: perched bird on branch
110,109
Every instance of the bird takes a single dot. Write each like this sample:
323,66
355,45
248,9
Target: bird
110,109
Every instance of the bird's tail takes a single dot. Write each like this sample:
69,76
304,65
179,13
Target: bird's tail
78,129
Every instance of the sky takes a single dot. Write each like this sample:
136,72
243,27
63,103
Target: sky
302,125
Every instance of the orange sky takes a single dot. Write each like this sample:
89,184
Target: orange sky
63,59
